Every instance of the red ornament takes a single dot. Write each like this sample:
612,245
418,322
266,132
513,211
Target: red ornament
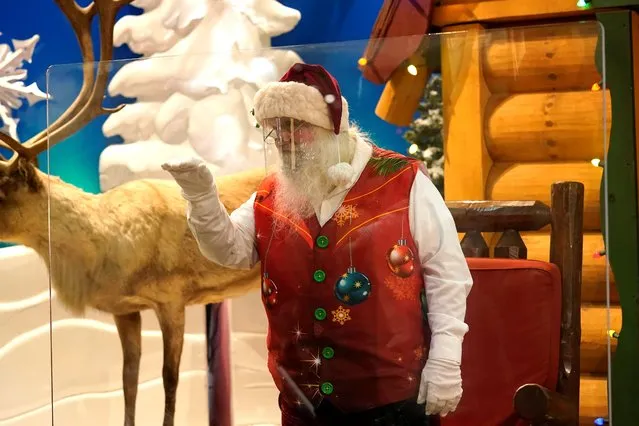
400,259
269,292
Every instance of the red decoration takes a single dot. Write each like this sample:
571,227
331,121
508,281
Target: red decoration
400,259
269,292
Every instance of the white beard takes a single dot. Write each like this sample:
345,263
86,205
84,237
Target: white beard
301,191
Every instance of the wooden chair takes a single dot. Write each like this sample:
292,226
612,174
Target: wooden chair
520,362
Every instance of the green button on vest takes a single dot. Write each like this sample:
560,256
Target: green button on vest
328,352
327,388
322,241
320,314
319,276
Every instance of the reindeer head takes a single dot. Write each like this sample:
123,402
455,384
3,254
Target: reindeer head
23,201
23,196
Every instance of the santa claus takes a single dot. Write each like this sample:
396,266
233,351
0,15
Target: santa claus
363,278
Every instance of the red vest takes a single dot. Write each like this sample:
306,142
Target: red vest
352,332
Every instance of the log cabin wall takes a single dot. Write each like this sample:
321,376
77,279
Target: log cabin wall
520,113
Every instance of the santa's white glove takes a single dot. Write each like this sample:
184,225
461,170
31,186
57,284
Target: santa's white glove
206,216
192,175
440,387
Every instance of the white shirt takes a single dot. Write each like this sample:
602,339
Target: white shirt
230,241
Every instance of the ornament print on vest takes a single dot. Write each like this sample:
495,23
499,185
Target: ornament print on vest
400,259
269,292
352,287
401,262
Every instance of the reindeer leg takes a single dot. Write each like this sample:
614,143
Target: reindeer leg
171,320
130,332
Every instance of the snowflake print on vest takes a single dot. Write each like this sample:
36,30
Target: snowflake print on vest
345,214
403,289
341,315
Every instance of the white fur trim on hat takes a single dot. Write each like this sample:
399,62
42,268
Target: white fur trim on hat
296,100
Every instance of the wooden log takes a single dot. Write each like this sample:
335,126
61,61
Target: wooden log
499,216
594,337
593,399
455,12
464,98
403,91
593,288
531,181
538,59
547,126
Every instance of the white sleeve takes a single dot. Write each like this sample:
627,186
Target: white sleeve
228,240
446,275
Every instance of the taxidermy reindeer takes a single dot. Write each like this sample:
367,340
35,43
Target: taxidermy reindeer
123,251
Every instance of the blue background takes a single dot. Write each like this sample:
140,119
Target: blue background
76,160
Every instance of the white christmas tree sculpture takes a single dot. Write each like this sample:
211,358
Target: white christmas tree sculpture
12,88
203,62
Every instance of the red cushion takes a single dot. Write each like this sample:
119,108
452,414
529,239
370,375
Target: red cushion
514,317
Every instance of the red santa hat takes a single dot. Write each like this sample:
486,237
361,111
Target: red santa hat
308,93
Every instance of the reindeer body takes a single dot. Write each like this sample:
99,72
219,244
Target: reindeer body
122,252
130,248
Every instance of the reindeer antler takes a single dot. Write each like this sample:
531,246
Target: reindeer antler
88,104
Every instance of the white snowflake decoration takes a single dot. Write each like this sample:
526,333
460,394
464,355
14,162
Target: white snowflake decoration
12,88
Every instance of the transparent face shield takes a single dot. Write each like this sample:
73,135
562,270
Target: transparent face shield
296,147
287,144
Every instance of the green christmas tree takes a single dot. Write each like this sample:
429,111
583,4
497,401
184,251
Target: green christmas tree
425,133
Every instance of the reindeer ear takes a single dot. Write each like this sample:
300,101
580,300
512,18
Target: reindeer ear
26,171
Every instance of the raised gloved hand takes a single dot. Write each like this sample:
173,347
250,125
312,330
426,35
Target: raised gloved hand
192,175
440,387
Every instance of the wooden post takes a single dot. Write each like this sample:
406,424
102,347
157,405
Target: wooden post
511,246
566,245
404,90
466,160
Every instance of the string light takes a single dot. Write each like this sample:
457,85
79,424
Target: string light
613,334
362,62
412,69
599,253
601,421
584,4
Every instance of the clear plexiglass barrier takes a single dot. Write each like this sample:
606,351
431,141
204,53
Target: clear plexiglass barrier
416,230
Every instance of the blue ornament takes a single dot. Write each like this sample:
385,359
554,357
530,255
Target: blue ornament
353,287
